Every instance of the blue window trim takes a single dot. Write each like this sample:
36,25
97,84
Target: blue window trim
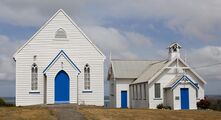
56,58
61,102
185,77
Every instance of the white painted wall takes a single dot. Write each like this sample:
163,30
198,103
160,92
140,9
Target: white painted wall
192,96
46,47
163,79
122,85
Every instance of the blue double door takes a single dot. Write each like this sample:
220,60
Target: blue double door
62,86
184,93
123,99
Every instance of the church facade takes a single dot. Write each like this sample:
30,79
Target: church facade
149,83
59,64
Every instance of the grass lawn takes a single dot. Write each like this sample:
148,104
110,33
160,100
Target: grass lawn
26,113
148,114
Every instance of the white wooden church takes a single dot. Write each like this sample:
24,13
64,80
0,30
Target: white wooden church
59,64
146,84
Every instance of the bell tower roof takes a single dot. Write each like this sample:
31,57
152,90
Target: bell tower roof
174,47
174,51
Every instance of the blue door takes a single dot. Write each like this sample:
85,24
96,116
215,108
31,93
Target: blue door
123,99
62,87
184,98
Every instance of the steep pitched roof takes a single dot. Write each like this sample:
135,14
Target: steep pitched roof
150,71
61,53
129,68
74,24
176,80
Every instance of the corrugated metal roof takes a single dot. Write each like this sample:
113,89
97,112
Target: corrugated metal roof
130,68
150,71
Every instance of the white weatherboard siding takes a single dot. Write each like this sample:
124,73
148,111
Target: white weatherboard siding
163,80
78,48
172,75
122,85
192,96
51,74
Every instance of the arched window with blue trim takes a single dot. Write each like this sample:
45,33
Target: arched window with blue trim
87,77
34,77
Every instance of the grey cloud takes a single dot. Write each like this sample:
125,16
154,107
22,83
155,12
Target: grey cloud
195,18
7,48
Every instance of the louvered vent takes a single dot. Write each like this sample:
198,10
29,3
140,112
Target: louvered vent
60,33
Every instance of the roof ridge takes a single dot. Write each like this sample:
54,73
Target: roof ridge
148,67
136,60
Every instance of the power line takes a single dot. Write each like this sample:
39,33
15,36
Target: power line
209,65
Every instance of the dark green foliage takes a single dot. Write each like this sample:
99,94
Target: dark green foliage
167,107
2,102
161,106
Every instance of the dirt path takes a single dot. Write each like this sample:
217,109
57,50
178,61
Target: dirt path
66,112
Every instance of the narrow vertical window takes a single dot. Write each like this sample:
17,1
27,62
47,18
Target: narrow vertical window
34,77
141,92
136,92
87,77
157,90
144,88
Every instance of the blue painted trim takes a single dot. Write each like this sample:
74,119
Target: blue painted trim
184,94
185,77
123,99
62,102
56,58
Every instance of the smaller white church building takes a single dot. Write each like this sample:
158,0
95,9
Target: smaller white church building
146,84
59,64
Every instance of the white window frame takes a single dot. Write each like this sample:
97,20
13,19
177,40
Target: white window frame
155,96
34,77
87,84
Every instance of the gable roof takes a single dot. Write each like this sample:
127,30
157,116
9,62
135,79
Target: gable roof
167,65
74,24
61,53
193,71
176,80
150,71
129,68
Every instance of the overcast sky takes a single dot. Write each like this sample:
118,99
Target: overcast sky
129,29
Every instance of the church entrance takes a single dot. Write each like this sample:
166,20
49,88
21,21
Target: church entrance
62,86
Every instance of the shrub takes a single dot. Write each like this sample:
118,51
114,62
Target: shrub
2,102
203,104
160,106
167,107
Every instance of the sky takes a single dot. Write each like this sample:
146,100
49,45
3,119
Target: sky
127,29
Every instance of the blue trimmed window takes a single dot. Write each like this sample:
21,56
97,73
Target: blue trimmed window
87,77
34,77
